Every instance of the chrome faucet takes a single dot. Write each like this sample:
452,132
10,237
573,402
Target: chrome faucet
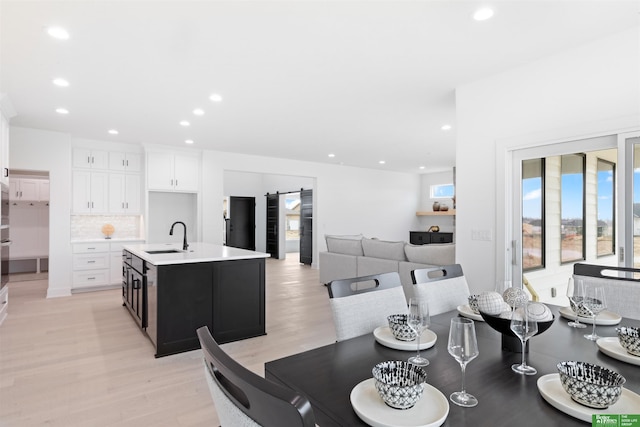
184,240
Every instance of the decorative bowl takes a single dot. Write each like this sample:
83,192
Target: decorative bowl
629,338
399,383
400,329
473,303
590,385
503,325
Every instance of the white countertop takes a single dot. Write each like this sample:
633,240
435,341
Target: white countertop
197,252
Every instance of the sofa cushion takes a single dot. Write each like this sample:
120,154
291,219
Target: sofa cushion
382,249
433,254
347,245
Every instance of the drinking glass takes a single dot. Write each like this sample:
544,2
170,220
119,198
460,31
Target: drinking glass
594,303
575,293
524,327
463,346
418,319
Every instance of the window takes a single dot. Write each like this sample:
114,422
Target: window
442,191
606,207
533,214
572,196
292,204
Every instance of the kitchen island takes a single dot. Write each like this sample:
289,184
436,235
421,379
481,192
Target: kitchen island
171,292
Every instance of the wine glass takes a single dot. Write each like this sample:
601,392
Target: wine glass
524,327
594,302
463,346
418,319
575,293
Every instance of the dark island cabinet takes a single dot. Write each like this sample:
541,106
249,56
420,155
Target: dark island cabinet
227,296
427,237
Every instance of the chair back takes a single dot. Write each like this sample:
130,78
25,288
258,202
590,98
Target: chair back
361,304
445,288
622,286
243,398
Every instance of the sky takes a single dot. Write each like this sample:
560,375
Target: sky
572,197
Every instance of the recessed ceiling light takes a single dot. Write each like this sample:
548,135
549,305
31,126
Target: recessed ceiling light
60,82
198,112
215,97
483,14
332,155
185,123
382,162
446,127
188,141
421,167
62,111
113,131
58,33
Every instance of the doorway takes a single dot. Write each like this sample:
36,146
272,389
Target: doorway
240,223
28,257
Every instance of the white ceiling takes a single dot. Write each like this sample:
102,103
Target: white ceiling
367,81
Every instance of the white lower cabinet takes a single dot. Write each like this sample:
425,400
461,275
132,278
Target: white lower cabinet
97,264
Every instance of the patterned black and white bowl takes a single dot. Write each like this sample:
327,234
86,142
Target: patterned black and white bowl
590,385
473,303
399,383
629,338
399,327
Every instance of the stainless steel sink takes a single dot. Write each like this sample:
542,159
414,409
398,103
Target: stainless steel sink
164,251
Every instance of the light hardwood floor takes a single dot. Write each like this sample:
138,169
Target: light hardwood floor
82,361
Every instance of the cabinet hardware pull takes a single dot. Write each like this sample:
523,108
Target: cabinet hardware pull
6,172
90,249
91,278
91,262
88,159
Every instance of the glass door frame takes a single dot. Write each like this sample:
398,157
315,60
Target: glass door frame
625,201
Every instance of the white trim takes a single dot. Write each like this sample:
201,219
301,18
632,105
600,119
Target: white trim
625,175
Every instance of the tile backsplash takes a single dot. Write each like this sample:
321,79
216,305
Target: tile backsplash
90,226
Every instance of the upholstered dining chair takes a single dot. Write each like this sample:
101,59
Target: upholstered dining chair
444,287
361,304
245,399
621,286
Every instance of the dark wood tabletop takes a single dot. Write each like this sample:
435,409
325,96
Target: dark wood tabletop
328,374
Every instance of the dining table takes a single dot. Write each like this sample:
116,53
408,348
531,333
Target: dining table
327,375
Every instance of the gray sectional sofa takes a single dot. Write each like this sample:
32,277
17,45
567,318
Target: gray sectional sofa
355,256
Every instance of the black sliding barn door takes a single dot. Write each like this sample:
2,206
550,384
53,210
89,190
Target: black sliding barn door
273,207
241,226
306,227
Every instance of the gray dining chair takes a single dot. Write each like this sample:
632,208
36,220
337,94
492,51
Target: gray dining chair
621,284
245,399
361,304
445,287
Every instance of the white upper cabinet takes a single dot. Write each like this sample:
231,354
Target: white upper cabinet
124,193
127,162
24,189
173,172
88,158
89,193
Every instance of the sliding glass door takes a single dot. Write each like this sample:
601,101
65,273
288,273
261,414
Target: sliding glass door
629,214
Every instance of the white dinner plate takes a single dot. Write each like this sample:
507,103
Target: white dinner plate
466,311
605,318
385,337
430,411
551,390
611,347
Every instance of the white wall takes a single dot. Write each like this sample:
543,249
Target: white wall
346,200
50,151
584,91
446,223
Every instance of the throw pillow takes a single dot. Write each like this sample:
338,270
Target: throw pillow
433,254
382,249
347,245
